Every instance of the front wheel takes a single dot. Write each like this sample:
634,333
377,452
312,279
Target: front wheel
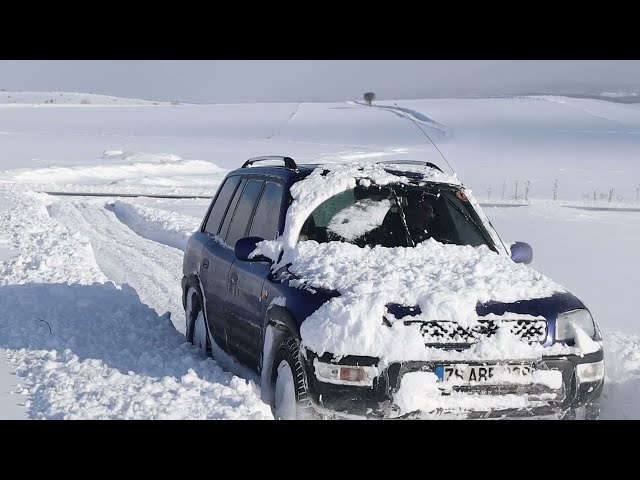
291,398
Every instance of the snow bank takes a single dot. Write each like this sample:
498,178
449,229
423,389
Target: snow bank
161,172
88,349
140,157
46,248
108,355
6,250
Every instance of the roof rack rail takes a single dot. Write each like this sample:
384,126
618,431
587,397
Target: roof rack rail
288,161
411,162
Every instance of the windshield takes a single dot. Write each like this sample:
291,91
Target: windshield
396,215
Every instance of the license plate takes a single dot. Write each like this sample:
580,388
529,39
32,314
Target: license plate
483,373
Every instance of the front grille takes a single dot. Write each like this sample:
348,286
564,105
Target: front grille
445,333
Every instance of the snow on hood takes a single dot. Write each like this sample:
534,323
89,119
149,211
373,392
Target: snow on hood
445,281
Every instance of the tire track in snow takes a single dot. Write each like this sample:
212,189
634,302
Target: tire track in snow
284,125
414,114
154,270
566,102
168,228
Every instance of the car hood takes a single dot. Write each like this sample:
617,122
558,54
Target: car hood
446,282
547,307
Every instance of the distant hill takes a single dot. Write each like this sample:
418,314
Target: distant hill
70,98
626,94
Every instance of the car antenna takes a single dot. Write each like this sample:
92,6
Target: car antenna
432,142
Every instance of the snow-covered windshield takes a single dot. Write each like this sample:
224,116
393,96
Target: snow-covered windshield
396,215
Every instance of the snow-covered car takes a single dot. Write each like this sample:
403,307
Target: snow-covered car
382,290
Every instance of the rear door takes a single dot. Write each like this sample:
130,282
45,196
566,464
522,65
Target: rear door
244,322
217,257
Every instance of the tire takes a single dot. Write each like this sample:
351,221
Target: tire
291,398
197,333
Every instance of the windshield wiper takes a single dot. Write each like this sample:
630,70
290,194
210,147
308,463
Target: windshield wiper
407,234
469,219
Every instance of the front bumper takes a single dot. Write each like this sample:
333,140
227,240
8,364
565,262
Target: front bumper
377,401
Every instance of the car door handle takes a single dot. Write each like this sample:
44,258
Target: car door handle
234,279
205,263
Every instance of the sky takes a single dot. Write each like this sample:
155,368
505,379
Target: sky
248,81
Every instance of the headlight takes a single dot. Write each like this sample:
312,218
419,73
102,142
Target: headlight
567,321
590,372
345,374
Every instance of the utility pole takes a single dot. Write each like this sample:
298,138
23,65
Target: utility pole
526,190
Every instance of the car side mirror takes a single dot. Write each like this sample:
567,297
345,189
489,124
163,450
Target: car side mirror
245,247
521,252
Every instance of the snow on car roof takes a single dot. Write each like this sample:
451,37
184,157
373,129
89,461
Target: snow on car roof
409,171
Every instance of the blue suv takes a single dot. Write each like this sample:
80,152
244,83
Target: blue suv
383,291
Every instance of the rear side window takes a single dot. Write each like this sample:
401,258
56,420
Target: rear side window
232,208
266,221
243,211
220,205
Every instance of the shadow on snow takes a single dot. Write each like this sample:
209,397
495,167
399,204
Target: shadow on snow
98,324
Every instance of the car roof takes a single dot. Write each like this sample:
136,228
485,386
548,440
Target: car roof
288,175
302,170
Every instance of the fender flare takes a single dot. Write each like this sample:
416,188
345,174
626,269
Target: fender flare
278,324
282,318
